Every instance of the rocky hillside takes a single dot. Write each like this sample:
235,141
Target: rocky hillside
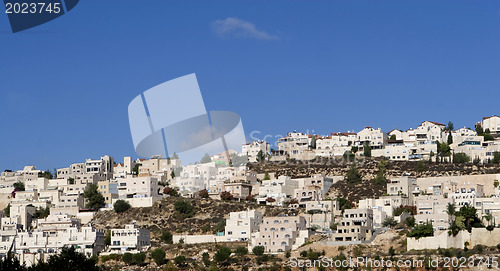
368,168
163,215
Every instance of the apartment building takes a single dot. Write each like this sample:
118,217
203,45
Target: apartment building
355,225
131,238
295,145
241,225
280,189
280,233
376,138
109,190
313,188
239,189
492,123
138,191
405,186
321,214
251,150
432,208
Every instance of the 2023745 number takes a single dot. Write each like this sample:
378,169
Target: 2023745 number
32,8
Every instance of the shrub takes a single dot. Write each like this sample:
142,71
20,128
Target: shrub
139,258
121,206
258,250
422,230
225,195
389,222
223,254
206,259
180,260
184,208
204,194
241,251
166,237
158,256
127,258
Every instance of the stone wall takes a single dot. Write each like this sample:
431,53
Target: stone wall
478,236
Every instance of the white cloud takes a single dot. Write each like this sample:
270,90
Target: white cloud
237,28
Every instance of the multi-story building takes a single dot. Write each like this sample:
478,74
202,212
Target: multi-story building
251,150
492,123
241,225
432,208
131,238
355,225
139,191
280,233
405,186
294,145
375,138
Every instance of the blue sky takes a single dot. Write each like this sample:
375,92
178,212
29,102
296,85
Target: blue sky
327,66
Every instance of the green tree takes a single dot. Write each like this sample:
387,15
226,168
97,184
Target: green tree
421,230
121,206
139,258
445,150
258,250
420,166
479,129
127,258
312,146
41,212
185,208
496,158
7,210
266,176
222,254
450,127
410,221
158,256
95,200
460,158
261,157
170,267
393,137
67,259
135,170
206,159
19,186
241,251
174,156
167,237
389,222
205,257
450,139
45,174
353,176
180,260
367,149
343,203
107,238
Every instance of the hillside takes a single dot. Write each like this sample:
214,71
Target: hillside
163,216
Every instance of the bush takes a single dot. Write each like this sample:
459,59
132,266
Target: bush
158,256
139,258
206,259
204,194
127,258
223,254
115,257
121,206
184,208
258,250
353,176
180,260
225,195
422,230
241,251
389,222
166,237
